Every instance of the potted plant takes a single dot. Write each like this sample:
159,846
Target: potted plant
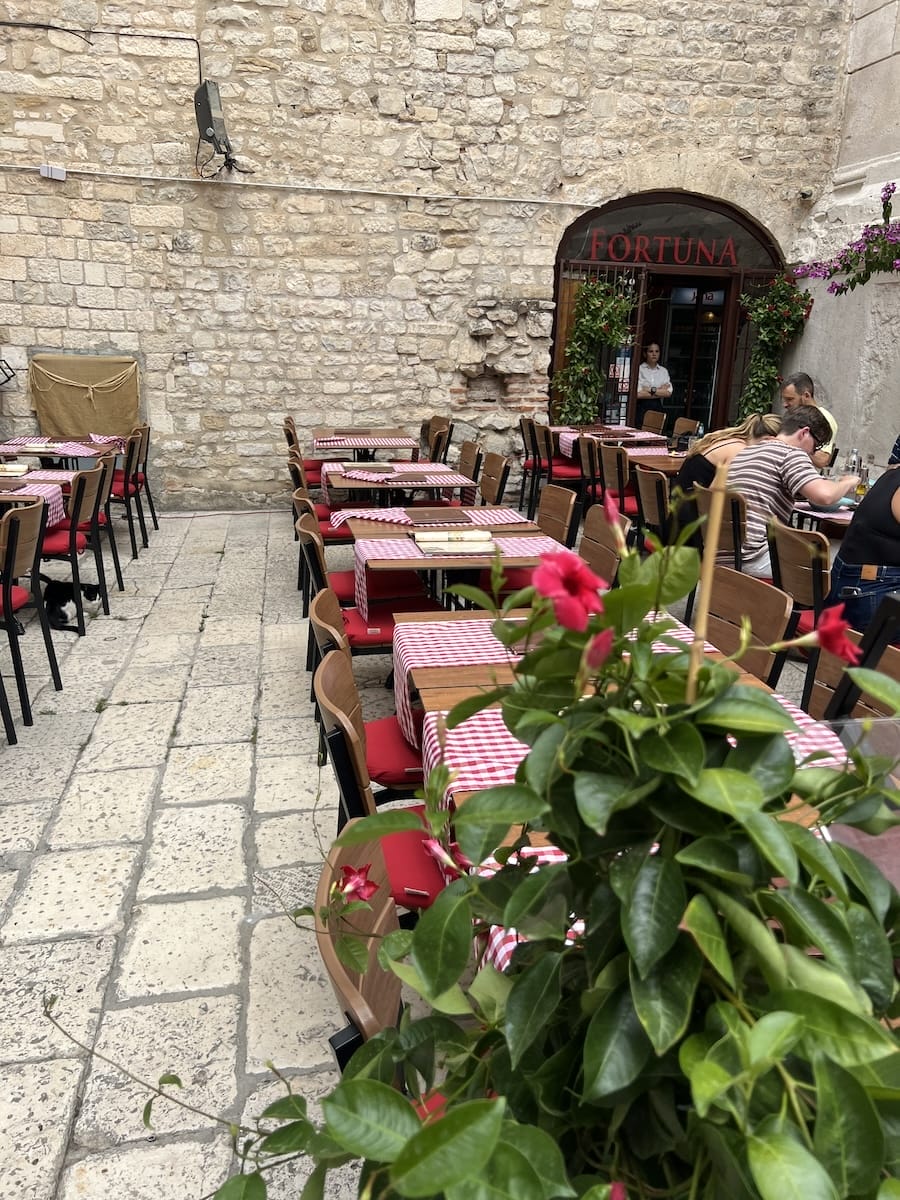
698,1005
601,320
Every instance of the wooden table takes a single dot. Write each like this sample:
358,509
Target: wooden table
423,518
391,477
668,464
364,441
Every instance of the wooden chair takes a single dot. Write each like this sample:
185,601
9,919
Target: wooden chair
69,539
21,536
559,513
653,502
142,475
598,546
879,653
735,596
439,442
526,427
654,422
560,470
369,999
494,476
125,491
93,529
616,471
800,567
591,476
539,469
733,531
471,457
684,427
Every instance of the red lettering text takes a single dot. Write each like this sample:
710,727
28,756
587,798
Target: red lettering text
641,248
705,251
728,257
682,262
626,247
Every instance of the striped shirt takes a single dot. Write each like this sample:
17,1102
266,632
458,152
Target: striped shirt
769,475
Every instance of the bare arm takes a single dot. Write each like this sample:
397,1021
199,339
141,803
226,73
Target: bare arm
828,491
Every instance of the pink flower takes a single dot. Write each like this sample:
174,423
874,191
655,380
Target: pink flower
453,861
831,634
572,586
610,508
617,1190
598,650
355,883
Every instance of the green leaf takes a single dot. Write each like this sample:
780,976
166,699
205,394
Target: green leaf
370,829
681,752
773,844
782,1169
314,1188
445,1152
243,1187
773,1036
170,1080
873,962
287,1108
616,1048
703,925
530,1004
756,935
443,940
370,1119
598,796
745,710
542,764
655,906
544,1155
715,856
511,804
709,1083
148,1113
865,876
473,704
816,856
889,1190
490,989
352,952
537,907
846,1037
680,570
508,1173
451,1001
815,975
769,761
292,1138
879,687
731,792
664,998
848,1137
811,923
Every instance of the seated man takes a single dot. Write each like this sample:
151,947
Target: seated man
773,474
799,389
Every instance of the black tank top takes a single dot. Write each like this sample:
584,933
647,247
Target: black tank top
874,533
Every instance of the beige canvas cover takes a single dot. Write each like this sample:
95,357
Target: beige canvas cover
77,394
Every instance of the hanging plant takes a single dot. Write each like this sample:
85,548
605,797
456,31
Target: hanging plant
778,314
602,319
875,251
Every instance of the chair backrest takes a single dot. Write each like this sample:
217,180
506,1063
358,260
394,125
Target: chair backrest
589,458
84,498
734,596
493,478
830,672
615,468
132,455
107,464
526,424
470,459
370,998
438,445
654,422
327,625
297,469
684,427
289,429
558,513
313,548
878,654
598,546
21,534
338,699
653,500
733,531
800,564
144,452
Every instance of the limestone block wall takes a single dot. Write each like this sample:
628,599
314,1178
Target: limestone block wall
415,163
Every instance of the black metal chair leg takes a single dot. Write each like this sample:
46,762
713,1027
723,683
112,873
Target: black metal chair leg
149,496
101,573
6,714
130,518
140,516
114,549
77,596
48,638
19,671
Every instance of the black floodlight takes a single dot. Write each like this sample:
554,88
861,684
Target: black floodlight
211,119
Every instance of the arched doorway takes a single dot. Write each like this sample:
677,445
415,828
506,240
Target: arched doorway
687,258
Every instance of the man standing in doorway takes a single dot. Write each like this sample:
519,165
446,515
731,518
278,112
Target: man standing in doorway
654,384
799,389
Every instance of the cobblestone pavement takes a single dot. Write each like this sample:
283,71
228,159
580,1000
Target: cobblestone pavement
155,820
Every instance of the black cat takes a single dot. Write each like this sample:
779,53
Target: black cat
59,601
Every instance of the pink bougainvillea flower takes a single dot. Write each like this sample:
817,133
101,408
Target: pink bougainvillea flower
571,585
598,650
831,634
355,883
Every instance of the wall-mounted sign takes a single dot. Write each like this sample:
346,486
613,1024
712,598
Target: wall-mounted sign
673,251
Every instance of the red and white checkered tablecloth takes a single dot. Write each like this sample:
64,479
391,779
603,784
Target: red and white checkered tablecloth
641,451
568,438
63,449
500,942
365,549
393,516
439,644
436,474
482,750
49,476
50,493
364,442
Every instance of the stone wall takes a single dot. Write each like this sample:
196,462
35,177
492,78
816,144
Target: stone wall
415,165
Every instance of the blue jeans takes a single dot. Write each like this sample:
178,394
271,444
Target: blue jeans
865,595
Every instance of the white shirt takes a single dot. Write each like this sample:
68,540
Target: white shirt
649,377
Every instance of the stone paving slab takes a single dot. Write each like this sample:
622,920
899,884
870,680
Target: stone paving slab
195,850
217,714
178,1171
131,735
217,771
36,1104
104,806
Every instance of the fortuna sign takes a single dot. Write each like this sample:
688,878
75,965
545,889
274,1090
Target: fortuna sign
662,248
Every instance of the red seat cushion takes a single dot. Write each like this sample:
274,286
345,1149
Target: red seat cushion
627,504
564,468
20,597
83,526
119,476
330,534
515,578
118,489
380,585
378,630
390,759
807,623
413,874
58,542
